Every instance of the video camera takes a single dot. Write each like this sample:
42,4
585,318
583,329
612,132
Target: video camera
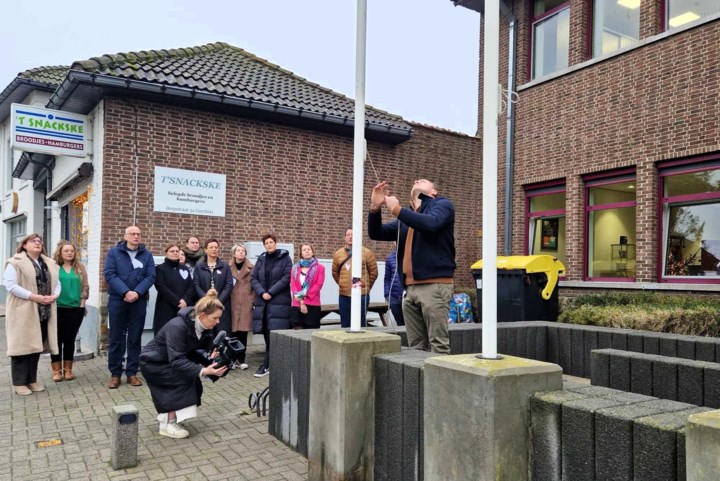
229,350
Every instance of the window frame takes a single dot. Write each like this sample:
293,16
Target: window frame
590,41
10,245
533,21
538,190
669,169
598,180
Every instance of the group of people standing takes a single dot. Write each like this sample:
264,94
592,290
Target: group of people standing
44,309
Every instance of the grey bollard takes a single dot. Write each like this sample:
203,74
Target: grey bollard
124,443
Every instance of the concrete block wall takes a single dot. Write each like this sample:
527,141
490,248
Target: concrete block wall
677,379
596,433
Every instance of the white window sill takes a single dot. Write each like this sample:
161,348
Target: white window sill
649,286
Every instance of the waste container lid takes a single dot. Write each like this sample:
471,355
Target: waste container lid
531,264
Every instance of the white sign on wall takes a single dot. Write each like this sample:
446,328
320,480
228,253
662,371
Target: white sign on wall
47,131
189,192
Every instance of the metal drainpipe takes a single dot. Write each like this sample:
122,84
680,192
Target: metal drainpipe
510,138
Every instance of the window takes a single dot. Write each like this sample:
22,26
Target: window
550,37
545,208
616,24
680,12
691,221
16,229
610,221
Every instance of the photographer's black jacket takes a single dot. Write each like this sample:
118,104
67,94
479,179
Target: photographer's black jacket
173,378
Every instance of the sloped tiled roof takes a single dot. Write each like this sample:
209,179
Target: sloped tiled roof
49,75
223,69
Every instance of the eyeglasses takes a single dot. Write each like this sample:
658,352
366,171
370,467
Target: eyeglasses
133,233
35,241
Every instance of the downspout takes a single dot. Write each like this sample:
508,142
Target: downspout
510,129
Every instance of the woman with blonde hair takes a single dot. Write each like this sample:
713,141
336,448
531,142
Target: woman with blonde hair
31,279
70,308
168,363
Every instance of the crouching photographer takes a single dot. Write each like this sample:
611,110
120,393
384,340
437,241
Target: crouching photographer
170,365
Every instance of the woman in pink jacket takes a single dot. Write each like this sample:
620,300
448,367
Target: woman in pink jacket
306,280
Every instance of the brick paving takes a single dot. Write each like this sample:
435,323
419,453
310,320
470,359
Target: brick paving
227,441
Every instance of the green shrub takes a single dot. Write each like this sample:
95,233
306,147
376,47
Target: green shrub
699,316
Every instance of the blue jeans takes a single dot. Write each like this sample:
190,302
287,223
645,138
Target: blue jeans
344,302
397,312
127,321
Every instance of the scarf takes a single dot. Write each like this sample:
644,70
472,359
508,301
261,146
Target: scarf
42,278
311,264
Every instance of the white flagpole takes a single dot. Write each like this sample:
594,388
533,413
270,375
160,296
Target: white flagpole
491,55
358,164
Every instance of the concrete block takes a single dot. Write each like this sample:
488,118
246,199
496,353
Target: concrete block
600,368
578,437
412,419
641,374
541,342
619,340
502,338
656,456
522,342
546,433
614,437
591,391
382,420
531,350
686,347
565,349
668,345
512,340
702,443
711,388
553,342
690,379
477,338
604,336
705,348
468,345
394,432
303,393
620,371
455,341
590,343
476,416
341,442
124,441
665,379
635,341
651,343
577,352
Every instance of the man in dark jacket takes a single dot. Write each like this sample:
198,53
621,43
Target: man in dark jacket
425,259
129,274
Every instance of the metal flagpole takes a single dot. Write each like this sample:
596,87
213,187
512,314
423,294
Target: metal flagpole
358,165
491,55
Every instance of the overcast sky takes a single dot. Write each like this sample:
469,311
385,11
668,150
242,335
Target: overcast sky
422,55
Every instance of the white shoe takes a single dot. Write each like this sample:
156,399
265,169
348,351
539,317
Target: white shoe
243,366
36,387
173,430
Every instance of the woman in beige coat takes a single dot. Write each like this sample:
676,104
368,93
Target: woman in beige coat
241,297
31,279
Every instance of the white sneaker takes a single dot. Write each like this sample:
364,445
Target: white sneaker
243,366
173,430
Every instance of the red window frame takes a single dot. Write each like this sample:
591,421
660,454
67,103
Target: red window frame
533,21
538,190
680,167
595,180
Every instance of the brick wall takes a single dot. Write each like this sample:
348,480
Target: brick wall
293,182
652,103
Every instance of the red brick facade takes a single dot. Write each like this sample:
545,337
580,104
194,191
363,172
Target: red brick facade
652,103
293,182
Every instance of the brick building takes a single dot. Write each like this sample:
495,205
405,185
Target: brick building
616,144
284,144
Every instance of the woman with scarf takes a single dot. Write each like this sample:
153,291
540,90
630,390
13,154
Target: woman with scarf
170,364
214,273
306,281
175,289
193,253
31,279
241,297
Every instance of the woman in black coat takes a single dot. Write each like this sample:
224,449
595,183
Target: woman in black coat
175,289
167,364
214,273
271,283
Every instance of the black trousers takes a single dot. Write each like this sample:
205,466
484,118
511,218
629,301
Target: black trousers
242,337
68,325
24,368
311,320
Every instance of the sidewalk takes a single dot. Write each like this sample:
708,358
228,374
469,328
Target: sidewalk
227,442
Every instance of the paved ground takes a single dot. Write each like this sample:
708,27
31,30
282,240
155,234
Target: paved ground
226,440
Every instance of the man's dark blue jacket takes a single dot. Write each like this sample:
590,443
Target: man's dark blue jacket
433,244
120,274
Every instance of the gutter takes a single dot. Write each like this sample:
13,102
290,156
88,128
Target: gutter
77,77
510,130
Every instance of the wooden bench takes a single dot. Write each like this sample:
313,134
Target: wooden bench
380,308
